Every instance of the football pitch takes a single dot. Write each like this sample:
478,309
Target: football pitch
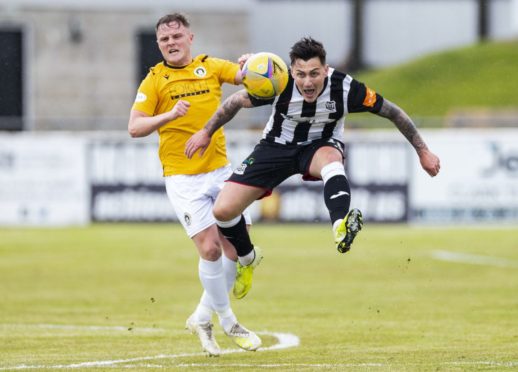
405,298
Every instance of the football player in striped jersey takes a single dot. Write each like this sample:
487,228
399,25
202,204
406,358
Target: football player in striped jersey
304,135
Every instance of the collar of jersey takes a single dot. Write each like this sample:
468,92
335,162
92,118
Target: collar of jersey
176,67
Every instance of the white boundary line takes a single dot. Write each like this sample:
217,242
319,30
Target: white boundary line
345,365
288,366
285,341
509,364
473,259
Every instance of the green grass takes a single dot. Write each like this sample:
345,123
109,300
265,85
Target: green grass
388,305
481,76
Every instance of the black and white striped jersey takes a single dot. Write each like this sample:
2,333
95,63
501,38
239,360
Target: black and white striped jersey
296,122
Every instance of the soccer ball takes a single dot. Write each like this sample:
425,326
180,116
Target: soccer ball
265,75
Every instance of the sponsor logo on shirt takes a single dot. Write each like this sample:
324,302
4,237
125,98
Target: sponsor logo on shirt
141,97
188,89
305,120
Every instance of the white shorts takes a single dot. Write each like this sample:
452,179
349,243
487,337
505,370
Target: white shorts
193,196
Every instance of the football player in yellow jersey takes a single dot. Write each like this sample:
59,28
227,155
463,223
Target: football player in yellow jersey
176,99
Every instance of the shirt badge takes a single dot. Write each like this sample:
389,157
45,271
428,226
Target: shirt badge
200,71
331,106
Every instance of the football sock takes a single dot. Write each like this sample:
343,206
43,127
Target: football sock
247,259
227,319
205,308
337,192
229,268
213,280
203,312
236,233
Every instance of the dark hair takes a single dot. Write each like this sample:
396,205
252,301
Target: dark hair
179,18
307,48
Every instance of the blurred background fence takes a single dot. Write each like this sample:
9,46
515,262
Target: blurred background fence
63,178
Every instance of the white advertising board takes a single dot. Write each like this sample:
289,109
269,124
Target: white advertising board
43,180
54,179
478,179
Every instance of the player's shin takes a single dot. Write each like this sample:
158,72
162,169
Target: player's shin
213,280
236,233
337,192
249,257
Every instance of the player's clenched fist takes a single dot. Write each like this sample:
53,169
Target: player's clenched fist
180,109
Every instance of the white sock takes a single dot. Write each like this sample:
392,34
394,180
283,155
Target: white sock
248,259
213,280
227,320
229,268
203,312
330,170
233,222
205,308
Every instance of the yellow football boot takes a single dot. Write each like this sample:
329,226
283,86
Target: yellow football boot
244,275
347,230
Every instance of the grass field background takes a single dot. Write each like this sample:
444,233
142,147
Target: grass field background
483,75
117,296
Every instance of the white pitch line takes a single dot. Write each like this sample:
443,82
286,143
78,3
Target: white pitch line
285,365
346,365
285,341
509,364
473,259
485,363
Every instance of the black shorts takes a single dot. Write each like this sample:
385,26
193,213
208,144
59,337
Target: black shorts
271,163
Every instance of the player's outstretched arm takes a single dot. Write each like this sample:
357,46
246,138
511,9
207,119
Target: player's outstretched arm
228,109
142,125
429,161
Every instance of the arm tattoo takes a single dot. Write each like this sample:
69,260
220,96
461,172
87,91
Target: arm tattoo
403,122
228,110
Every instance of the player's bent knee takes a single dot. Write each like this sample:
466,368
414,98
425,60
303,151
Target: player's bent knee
222,213
210,252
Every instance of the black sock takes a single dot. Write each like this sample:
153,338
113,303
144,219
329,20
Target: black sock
238,236
337,195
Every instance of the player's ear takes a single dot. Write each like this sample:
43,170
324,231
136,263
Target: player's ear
326,68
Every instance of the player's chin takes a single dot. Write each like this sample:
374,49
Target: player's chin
174,58
310,98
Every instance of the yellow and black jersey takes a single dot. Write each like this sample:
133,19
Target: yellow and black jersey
200,84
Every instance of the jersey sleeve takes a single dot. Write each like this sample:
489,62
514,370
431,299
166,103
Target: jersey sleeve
227,70
361,98
146,100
